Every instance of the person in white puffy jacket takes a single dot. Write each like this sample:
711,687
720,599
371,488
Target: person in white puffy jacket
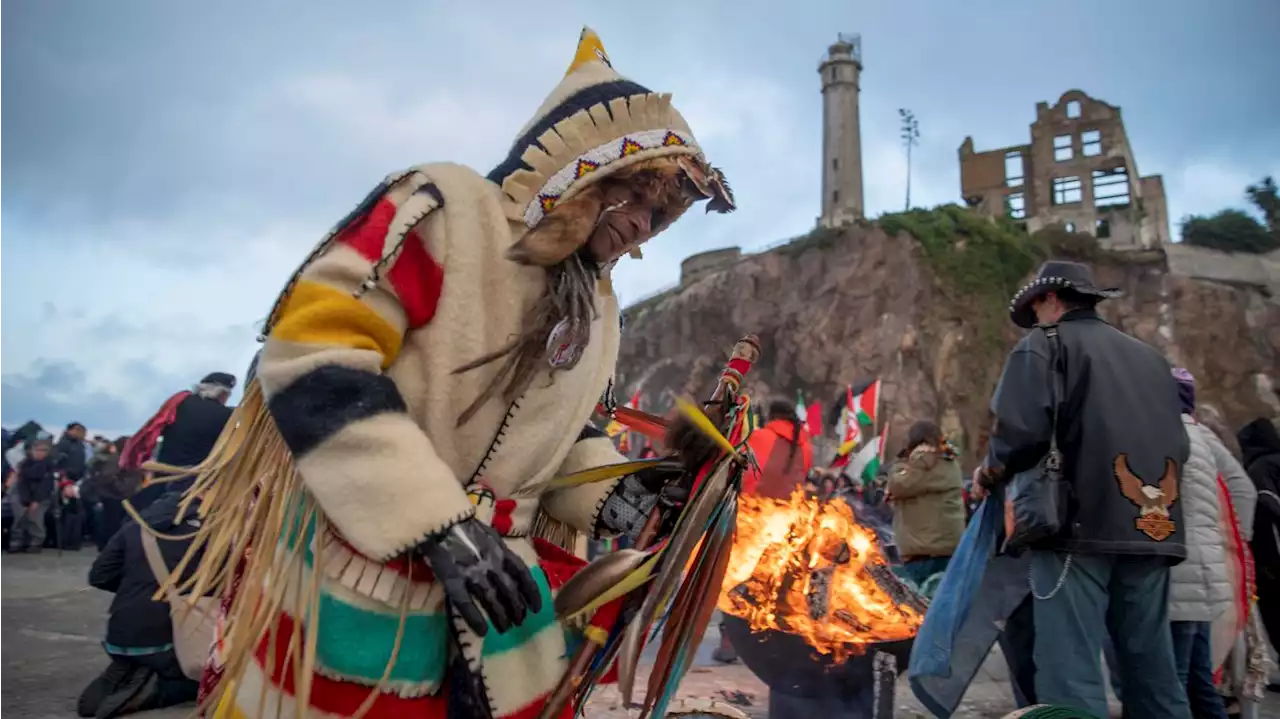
1200,588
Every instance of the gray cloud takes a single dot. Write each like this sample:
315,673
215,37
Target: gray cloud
55,394
170,163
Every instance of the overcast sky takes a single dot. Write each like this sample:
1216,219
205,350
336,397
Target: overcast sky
170,163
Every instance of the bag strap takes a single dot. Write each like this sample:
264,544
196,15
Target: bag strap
1057,385
155,560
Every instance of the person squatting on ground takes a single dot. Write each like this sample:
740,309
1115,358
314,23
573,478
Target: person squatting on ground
144,672
35,484
1200,588
442,349
926,491
1120,432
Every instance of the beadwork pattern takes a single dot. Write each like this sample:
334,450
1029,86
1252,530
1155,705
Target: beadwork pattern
596,158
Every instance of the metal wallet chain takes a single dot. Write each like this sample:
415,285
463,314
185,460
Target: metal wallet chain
1031,579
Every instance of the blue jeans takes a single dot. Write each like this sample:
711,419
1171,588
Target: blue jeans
1193,654
1125,598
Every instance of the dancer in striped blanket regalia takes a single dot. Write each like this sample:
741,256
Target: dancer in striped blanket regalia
441,350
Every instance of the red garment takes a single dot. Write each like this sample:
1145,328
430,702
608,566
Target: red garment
142,444
771,445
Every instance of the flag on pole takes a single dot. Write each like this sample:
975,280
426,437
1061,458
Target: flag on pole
801,412
863,408
867,403
866,463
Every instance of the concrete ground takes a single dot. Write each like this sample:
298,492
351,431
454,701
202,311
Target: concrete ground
51,624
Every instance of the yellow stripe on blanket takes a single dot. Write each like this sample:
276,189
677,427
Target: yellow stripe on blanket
318,314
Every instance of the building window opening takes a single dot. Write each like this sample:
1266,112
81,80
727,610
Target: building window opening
1062,148
1013,169
1103,230
1073,109
835,197
835,163
1069,227
1067,190
1111,187
1016,206
1091,143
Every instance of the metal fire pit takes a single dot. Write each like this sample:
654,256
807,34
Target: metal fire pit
804,684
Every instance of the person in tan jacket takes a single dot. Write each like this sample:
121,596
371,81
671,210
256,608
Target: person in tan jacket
926,491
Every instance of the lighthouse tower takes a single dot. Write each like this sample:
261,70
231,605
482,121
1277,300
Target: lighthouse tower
841,70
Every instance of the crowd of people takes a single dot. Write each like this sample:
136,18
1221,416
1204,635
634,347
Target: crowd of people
60,494
1165,597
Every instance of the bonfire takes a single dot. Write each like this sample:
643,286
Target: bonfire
806,567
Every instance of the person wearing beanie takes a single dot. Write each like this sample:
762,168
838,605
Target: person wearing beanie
428,367
1200,588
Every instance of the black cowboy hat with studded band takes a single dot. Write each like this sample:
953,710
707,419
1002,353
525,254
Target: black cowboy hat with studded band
1056,276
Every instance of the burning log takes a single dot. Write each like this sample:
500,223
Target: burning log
901,594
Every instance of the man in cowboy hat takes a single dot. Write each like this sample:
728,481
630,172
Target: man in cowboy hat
1119,430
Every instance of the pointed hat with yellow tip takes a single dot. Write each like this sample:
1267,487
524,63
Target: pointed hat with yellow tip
594,123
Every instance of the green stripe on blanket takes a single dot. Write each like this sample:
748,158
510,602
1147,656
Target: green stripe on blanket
355,642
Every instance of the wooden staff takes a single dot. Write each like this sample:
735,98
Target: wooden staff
745,352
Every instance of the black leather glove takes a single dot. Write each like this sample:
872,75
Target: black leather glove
627,509
478,571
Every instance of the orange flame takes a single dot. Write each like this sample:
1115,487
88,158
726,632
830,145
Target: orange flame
800,566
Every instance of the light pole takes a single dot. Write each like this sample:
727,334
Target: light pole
910,138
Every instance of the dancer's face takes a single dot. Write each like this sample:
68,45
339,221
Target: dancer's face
626,222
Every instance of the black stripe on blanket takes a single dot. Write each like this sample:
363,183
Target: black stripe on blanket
320,403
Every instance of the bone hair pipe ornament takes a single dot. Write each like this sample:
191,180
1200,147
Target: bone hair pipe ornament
745,353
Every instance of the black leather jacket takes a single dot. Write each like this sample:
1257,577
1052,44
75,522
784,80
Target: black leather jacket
1120,422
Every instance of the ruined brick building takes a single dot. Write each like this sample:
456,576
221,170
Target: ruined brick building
1077,171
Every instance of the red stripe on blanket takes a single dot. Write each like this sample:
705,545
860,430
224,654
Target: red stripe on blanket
418,281
334,696
415,276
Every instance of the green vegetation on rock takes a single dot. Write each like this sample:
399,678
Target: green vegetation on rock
979,261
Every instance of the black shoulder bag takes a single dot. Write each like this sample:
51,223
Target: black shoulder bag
1035,501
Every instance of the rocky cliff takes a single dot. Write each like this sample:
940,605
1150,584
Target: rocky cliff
918,301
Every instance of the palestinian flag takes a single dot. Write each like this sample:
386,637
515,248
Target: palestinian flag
865,465
865,407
